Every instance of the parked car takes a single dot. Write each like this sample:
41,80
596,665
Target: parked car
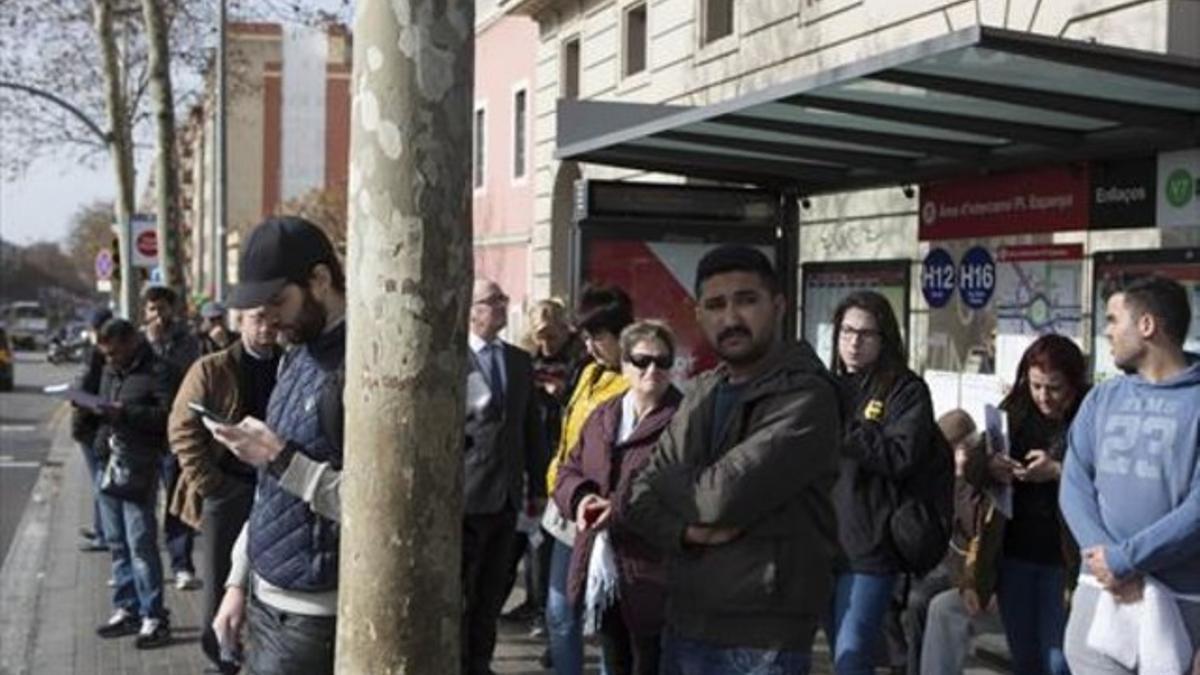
28,325
6,362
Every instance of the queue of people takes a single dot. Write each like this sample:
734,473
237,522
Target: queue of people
706,527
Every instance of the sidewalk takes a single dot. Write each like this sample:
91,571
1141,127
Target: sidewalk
53,596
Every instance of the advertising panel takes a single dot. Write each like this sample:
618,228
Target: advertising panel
1112,269
827,284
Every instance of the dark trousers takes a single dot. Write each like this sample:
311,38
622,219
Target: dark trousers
225,511
488,540
176,532
915,612
279,643
624,652
537,569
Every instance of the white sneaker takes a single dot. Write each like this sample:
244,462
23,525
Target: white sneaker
186,581
149,626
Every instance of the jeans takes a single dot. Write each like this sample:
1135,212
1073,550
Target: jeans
859,604
681,656
1084,659
1034,612
94,468
131,534
564,625
178,534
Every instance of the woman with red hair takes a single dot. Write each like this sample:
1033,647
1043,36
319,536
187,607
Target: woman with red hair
1028,560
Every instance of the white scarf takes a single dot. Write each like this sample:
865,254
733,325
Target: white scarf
601,592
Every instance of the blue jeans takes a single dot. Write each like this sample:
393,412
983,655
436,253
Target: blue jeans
564,625
94,468
681,656
178,534
860,602
1034,612
131,533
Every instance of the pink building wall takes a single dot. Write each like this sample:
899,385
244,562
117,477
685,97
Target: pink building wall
505,62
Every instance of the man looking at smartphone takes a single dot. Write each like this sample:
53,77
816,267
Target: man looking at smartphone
136,388
216,489
284,574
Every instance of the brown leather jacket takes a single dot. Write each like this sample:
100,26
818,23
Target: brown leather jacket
214,382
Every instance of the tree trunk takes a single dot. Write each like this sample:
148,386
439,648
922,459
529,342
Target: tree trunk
409,261
120,148
166,171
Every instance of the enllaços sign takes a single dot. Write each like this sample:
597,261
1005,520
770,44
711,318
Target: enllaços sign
1122,193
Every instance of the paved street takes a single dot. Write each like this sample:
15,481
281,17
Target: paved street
25,414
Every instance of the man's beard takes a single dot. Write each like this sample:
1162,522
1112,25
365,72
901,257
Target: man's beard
309,323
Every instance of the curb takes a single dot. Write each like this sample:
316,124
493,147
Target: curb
24,569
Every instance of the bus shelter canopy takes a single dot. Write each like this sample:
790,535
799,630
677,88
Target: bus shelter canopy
974,101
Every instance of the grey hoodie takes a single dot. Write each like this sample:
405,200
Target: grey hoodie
1131,480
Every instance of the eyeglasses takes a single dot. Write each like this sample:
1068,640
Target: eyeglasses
851,334
643,361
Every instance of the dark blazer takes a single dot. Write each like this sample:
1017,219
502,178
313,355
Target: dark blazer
504,444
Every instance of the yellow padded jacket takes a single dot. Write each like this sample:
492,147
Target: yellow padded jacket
596,385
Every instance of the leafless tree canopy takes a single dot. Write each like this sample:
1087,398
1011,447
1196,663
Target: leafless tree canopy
51,45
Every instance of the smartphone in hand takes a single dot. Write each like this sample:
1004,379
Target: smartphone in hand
205,412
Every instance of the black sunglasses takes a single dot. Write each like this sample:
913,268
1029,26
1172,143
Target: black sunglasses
643,361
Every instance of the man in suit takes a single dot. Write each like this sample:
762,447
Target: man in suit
502,462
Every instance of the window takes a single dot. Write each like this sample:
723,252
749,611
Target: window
519,133
477,173
718,20
570,73
635,40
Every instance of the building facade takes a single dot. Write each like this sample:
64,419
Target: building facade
502,187
693,53
288,135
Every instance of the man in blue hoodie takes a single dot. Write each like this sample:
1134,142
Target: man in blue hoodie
1131,479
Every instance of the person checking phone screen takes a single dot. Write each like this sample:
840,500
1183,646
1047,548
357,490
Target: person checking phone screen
593,485
283,576
1028,562
216,489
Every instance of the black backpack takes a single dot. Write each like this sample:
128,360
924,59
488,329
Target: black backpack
922,524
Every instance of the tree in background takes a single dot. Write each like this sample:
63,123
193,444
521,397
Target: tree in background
324,207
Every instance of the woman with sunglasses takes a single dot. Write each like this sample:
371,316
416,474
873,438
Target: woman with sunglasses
615,576
889,437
